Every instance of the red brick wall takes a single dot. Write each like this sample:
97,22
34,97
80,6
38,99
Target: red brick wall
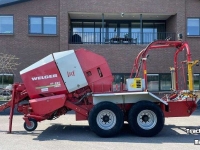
29,49
171,24
120,57
192,10
176,7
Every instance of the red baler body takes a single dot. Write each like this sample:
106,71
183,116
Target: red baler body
78,80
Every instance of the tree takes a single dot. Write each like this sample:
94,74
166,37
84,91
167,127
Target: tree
8,63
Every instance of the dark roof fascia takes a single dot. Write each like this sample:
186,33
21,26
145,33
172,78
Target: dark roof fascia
12,3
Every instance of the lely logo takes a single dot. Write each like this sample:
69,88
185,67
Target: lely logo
70,73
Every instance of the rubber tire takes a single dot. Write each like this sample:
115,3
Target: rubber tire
136,109
93,115
35,124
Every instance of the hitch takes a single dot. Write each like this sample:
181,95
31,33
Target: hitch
18,95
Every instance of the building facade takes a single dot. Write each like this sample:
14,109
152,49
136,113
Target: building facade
116,29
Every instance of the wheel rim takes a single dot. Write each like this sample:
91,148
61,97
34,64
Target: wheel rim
147,119
106,119
31,126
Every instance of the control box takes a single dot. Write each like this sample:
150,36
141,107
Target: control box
135,84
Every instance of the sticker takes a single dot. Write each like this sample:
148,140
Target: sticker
145,71
57,84
44,90
70,73
53,84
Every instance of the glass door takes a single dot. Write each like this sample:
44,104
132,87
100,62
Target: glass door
112,30
148,32
99,33
135,32
88,32
124,30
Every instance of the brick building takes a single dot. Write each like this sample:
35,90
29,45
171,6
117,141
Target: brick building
116,29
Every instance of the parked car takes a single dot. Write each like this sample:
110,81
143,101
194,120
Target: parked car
5,93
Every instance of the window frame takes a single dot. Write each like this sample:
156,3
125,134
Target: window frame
199,27
124,75
154,74
2,79
196,74
106,32
42,25
193,81
160,79
9,15
159,75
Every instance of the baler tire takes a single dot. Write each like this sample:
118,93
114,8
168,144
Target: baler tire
146,119
33,125
106,119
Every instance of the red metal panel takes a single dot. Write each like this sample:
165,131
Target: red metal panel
44,79
180,108
89,59
42,106
79,116
77,108
96,70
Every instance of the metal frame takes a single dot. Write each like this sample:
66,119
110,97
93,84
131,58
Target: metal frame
126,97
141,58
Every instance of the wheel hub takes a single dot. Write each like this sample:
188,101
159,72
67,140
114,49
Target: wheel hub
147,119
106,119
31,125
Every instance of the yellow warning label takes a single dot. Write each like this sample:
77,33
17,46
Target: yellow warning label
145,71
137,83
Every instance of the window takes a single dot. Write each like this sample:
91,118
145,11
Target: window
112,30
6,24
159,82
135,31
193,27
77,27
120,80
77,32
196,81
42,25
6,79
99,33
153,82
88,32
165,82
91,31
124,30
